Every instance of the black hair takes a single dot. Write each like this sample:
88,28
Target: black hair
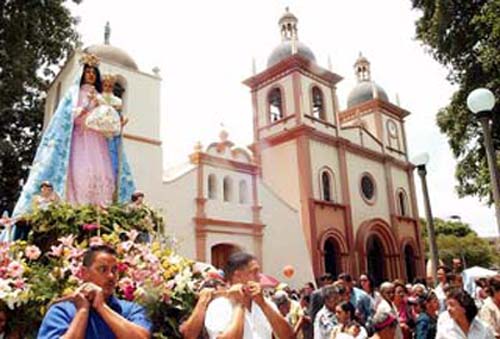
98,82
136,195
235,262
326,276
494,285
46,184
466,301
345,277
445,268
89,255
346,306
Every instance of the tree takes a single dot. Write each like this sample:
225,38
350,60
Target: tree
35,37
464,36
455,239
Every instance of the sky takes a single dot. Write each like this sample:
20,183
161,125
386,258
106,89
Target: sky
204,50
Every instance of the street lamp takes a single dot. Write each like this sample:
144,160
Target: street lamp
421,161
481,101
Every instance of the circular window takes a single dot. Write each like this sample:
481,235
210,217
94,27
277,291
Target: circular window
367,187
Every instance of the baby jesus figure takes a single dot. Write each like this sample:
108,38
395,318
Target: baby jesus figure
105,118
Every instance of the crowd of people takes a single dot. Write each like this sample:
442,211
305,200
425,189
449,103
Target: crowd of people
344,308
238,306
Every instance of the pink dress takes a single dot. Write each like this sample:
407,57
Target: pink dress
90,173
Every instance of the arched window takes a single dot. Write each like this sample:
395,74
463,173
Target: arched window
402,203
275,102
212,187
243,192
326,186
228,189
318,106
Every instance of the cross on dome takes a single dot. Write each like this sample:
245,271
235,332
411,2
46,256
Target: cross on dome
107,33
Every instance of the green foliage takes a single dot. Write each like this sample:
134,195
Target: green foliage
455,239
473,249
47,225
35,37
464,36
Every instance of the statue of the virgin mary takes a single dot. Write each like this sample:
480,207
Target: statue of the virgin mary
83,166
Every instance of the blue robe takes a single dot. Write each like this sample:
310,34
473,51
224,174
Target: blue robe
52,157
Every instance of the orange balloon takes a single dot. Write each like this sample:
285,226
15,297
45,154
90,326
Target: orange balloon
288,271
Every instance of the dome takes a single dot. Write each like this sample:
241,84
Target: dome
363,92
112,54
284,50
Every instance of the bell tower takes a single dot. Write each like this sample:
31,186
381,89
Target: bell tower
293,99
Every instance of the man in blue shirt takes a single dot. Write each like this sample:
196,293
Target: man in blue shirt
359,298
92,311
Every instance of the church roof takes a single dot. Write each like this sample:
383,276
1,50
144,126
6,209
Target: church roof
113,54
365,91
285,49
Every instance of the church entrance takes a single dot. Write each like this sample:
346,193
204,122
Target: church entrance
410,263
221,252
375,259
331,250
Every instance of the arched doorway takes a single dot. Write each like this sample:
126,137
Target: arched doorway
221,252
375,259
410,263
331,250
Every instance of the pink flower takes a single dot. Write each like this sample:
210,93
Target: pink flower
122,267
56,251
67,241
15,269
32,252
96,241
19,283
90,227
128,292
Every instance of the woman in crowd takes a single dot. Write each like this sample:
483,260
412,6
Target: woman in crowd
490,311
344,312
462,321
384,325
367,284
427,319
405,316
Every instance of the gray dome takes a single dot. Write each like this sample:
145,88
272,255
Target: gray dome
363,92
113,54
284,50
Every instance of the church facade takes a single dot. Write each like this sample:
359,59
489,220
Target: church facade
321,189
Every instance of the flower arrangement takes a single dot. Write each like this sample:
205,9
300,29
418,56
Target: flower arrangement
150,273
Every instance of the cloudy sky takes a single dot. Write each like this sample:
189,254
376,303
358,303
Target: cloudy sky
204,50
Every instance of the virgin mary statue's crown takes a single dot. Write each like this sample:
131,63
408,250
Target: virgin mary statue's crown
90,60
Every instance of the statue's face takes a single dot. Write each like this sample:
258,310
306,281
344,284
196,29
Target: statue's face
107,86
89,76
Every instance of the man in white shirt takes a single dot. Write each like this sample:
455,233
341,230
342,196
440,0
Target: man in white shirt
244,312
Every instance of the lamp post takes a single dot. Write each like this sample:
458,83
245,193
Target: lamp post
421,161
481,101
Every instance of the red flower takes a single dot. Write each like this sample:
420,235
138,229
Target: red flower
128,292
122,267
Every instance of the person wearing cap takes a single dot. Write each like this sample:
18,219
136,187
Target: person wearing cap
426,324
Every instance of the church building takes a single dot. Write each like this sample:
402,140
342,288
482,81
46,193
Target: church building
320,189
